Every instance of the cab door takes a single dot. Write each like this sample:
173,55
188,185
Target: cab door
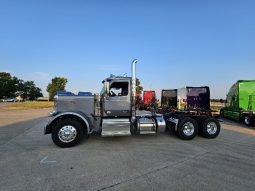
118,102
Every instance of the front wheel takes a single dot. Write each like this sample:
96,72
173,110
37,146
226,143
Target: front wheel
67,133
187,128
210,128
248,120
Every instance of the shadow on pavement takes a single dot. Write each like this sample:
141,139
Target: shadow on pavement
11,131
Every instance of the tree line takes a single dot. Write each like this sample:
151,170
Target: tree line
11,86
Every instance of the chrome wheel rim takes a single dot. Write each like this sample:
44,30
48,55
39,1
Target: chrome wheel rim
211,128
247,120
188,129
67,133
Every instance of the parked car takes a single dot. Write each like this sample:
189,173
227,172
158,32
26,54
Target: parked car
11,100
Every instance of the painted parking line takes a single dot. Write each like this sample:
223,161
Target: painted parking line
45,161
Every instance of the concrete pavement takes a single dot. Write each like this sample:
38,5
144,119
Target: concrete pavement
30,161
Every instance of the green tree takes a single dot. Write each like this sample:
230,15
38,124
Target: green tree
8,85
4,82
139,88
31,92
57,84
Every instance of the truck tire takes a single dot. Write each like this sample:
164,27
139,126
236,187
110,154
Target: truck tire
248,120
210,128
67,133
187,128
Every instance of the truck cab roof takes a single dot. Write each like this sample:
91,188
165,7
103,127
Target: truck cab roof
115,78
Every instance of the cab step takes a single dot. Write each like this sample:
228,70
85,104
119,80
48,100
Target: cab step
116,127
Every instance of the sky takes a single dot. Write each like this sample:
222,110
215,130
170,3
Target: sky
177,43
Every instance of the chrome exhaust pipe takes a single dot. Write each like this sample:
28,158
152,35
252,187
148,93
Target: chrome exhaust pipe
134,77
134,89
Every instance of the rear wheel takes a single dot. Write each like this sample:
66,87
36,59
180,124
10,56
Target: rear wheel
248,120
187,128
67,133
210,128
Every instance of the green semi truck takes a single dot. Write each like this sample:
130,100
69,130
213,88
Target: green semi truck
240,103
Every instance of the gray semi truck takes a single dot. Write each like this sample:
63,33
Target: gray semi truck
113,113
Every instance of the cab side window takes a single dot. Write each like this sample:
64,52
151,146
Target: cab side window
119,89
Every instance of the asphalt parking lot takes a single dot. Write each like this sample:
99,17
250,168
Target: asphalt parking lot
30,161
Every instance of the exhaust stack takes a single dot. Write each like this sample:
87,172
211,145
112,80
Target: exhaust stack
133,105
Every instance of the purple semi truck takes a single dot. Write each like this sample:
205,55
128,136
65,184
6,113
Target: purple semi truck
194,98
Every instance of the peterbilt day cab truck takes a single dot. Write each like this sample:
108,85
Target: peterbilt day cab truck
240,103
113,113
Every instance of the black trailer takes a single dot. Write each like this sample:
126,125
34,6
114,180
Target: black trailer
168,100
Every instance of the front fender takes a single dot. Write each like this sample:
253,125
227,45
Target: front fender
80,115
